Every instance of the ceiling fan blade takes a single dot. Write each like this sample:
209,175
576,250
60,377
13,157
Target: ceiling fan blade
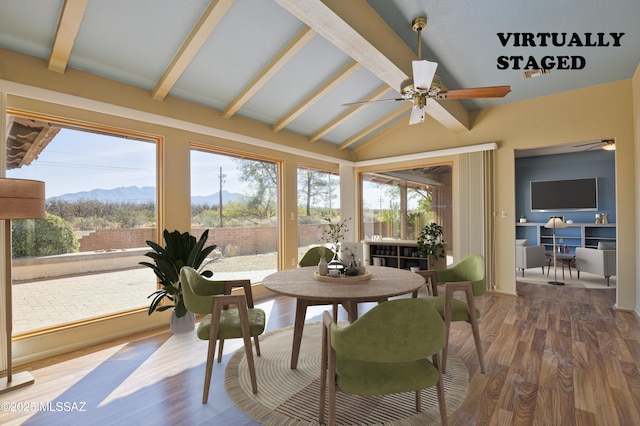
423,73
589,143
371,102
417,115
477,92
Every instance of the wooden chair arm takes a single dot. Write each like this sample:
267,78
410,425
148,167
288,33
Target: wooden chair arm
221,302
453,287
458,286
244,284
430,277
225,300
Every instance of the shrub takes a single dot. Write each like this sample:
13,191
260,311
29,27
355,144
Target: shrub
43,237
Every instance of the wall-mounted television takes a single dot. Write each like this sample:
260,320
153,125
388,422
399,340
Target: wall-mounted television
566,194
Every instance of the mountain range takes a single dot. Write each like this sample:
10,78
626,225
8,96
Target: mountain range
145,194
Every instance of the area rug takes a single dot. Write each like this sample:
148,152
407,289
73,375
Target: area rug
288,397
587,280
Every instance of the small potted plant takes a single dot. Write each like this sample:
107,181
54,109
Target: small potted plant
179,250
431,245
333,234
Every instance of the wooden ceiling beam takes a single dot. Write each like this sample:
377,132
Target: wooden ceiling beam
198,36
356,29
365,132
66,33
327,87
350,113
289,52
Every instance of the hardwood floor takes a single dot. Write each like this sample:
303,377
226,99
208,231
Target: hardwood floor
554,356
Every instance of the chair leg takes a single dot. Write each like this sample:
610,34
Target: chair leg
257,344
246,336
418,400
323,368
208,370
329,370
220,349
448,302
442,403
475,327
332,395
216,311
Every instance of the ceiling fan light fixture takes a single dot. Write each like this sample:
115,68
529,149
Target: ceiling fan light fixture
609,145
406,88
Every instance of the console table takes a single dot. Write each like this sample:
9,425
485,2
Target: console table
402,254
574,235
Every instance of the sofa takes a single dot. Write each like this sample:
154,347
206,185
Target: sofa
599,261
529,256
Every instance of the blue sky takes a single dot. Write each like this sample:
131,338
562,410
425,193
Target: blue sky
76,161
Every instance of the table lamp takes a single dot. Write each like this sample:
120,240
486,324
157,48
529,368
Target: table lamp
19,199
555,223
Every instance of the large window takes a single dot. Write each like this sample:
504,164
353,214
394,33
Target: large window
318,200
81,261
398,204
236,197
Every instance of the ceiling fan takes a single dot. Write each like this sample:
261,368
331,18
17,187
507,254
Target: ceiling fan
425,84
606,144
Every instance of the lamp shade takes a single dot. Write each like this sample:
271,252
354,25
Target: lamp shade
555,223
21,199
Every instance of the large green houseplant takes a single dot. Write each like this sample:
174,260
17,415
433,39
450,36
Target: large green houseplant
179,250
431,244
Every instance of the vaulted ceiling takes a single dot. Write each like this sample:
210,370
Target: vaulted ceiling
292,63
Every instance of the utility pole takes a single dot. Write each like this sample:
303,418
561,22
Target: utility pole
380,215
221,177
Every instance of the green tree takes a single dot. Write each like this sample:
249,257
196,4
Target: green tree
313,187
44,237
423,197
262,180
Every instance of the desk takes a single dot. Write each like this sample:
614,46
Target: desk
300,283
564,259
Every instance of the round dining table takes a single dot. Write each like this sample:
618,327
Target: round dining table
309,289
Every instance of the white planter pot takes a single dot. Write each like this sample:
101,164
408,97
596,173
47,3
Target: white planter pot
183,324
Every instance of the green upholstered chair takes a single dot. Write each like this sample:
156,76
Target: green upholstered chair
212,298
385,351
466,276
312,256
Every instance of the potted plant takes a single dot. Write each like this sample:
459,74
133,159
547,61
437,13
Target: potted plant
179,250
431,244
333,234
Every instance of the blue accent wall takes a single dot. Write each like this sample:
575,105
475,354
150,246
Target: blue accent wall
597,163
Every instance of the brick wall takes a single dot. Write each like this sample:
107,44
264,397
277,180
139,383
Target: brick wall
107,239
232,241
